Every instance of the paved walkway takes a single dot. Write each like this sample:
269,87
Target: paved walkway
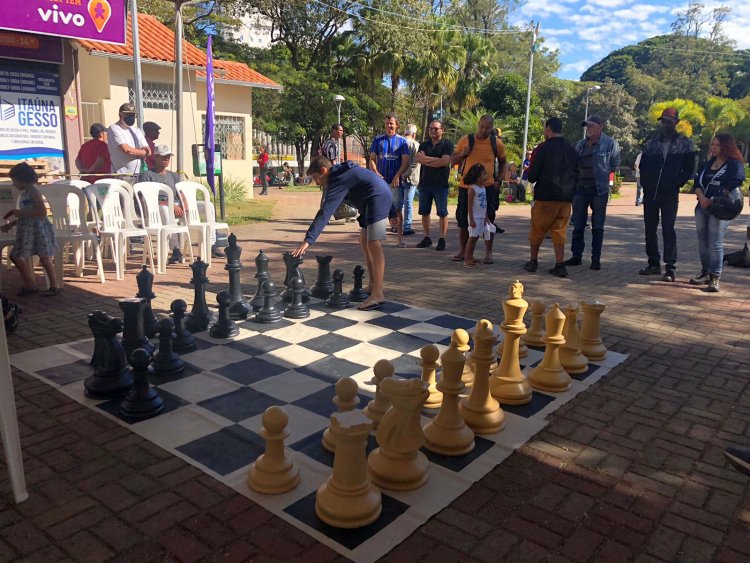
631,470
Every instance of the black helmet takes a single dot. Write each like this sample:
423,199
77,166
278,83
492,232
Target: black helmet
727,206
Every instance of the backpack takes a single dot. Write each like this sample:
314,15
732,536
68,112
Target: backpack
493,144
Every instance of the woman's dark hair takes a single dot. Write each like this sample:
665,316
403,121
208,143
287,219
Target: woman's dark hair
728,147
96,130
23,173
473,174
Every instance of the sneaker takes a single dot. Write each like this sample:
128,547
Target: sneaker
176,257
595,265
713,284
574,261
216,253
498,229
650,270
669,275
700,279
409,232
559,270
440,244
426,242
531,265
740,458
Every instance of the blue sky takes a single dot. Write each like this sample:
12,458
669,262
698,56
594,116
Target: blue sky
585,31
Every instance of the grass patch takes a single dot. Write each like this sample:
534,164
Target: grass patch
302,188
249,211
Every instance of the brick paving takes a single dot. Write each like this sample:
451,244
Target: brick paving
630,470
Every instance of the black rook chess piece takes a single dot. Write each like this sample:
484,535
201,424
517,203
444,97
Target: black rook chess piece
184,341
225,326
142,401
293,271
133,335
111,377
338,298
200,317
297,309
323,286
238,307
166,361
145,281
357,294
261,274
269,313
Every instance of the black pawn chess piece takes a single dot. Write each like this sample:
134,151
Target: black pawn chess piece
111,378
142,401
224,327
145,281
269,313
293,270
338,298
323,286
261,274
238,307
200,317
166,360
297,308
184,341
133,334
357,294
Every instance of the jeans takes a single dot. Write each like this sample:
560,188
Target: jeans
582,200
263,180
407,193
710,240
638,192
652,210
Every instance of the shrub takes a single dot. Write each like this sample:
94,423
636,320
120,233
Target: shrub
234,189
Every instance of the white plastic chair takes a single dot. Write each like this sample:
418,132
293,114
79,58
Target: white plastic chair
206,226
148,194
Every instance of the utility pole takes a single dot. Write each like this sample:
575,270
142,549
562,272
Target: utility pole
178,82
137,82
535,33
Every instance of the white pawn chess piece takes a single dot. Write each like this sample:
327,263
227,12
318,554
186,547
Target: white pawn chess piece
378,406
535,335
591,340
467,377
397,464
346,399
549,375
447,433
348,499
429,363
571,358
479,410
274,472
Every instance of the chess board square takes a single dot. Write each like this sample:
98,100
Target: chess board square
251,370
243,332
256,326
321,402
418,314
330,343
296,333
392,322
225,450
214,357
200,387
304,510
188,370
357,315
293,356
201,344
32,361
240,404
363,332
330,368
85,347
290,386
391,307
407,367
68,373
429,332
329,322
404,343
312,446
258,344
180,426
453,322
302,423
366,354
171,403
589,371
458,463
538,402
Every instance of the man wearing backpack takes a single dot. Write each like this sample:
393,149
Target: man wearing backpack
482,147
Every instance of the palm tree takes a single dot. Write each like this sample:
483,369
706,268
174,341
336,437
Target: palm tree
691,114
478,64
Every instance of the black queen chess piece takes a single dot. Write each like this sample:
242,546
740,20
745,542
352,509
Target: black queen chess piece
293,270
338,299
166,361
323,285
224,327
142,401
239,308
269,313
111,378
261,274
145,281
184,341
357,294
200,317
297,308
133,334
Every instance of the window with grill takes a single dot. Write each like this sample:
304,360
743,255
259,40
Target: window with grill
156,95
229,132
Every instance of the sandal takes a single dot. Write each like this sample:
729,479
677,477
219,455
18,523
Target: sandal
458,259
401,244
52,291
27,291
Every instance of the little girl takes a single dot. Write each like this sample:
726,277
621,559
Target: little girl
477,204
34,233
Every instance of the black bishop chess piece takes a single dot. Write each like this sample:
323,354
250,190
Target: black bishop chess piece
200,317
323,286
293,270
166,361
357,294
142,401
297,308
133,334
239,308
111,378
145,281
184,341
338,299
269,313
224,327
261,274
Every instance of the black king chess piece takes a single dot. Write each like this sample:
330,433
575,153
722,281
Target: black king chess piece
224,327
357,294
200,317
293,270
261,274
142,401
111,378
338,298
184,341
166,361
297,308
133,334
145,281
323,286
238,307
269,313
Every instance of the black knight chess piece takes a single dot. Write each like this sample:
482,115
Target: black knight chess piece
357,294
166,360
142,401
224,327
145,281
261,274
184,341
293,270
111,378
200,317
338,299
133,335
297,308
323,286
269,313
238,307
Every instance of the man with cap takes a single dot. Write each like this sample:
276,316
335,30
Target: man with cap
667,163
598,156
127,145
151,132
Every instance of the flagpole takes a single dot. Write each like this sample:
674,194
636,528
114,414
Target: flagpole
535,32
137,84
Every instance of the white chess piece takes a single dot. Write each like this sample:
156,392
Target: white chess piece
275,471
378,406
346,399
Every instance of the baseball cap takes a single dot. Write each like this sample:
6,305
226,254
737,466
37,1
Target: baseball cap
163,150
592,119
151,125
127,108
669,113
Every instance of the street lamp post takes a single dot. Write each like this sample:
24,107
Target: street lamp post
339,99
586,113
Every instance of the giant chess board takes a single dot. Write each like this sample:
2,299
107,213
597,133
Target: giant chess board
213,410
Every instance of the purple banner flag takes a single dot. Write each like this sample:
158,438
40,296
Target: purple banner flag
208,139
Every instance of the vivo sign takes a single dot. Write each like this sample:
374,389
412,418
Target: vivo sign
98,20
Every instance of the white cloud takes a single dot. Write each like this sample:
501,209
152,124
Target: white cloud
576,67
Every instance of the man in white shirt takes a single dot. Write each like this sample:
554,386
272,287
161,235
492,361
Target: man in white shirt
127,145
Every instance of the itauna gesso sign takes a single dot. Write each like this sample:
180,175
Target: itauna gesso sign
97,20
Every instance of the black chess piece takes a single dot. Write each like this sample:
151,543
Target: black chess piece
357,294
111,378
200,317
145,281
269,313
184,341
142,401
297,308
224,327
338,299
293,270
166,360
323,286
261,274
133,335
238,307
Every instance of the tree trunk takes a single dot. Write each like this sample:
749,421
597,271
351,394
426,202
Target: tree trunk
300,147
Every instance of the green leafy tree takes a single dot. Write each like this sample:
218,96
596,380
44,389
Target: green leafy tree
721,113
197,19
692,115
477,65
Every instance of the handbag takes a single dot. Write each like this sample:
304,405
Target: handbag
728,205
345,211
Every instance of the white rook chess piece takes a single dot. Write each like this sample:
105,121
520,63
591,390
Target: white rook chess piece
348,499
429,364
377,407
591,340
346,399
274,472
549,375
571,358
447,433
535,335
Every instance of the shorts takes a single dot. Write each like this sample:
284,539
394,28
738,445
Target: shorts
398,197
376,231
552,217
462,211
493,202
438,195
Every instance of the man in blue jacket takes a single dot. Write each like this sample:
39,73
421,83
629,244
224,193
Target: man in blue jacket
598,157
372,196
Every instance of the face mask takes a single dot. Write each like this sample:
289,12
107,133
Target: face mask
129,119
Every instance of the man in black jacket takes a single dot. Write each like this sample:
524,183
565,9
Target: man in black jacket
553,168
667,163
